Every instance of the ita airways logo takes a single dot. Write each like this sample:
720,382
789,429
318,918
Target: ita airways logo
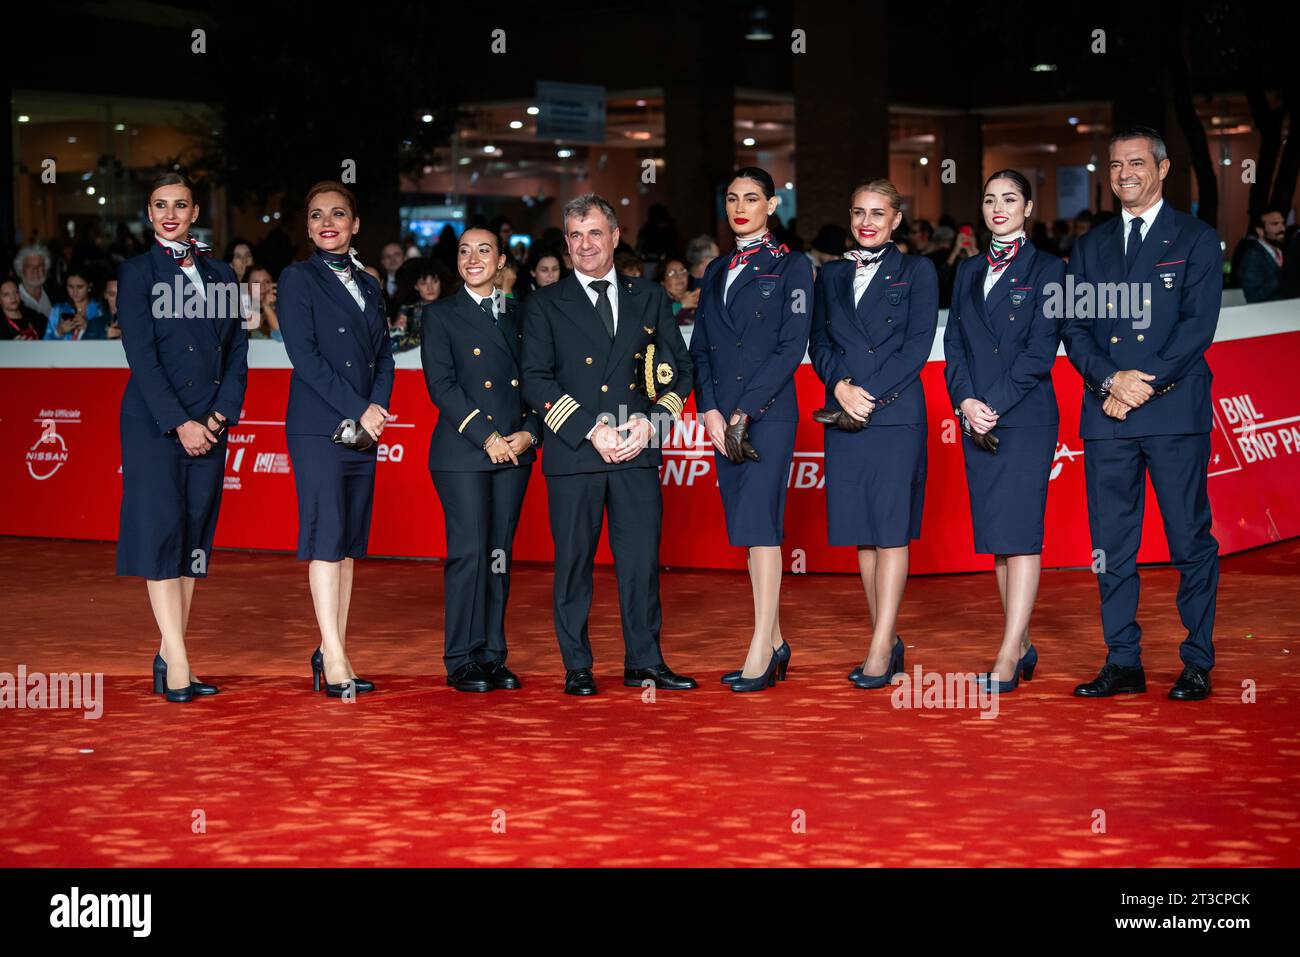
236,446
1063,454
49,452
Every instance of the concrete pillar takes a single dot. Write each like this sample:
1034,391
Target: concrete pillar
841,115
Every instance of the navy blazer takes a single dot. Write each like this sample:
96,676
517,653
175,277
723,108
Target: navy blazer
1180,267
885,342
342,357
1002,350
574,376
182,368
747,347
472,372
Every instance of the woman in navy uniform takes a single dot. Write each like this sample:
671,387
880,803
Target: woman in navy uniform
873,327
1000,346
188,372
751,332
336,334
480,457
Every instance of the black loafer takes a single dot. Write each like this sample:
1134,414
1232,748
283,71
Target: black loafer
499,676
1192,685
580,682
662,676
1113,680
469,677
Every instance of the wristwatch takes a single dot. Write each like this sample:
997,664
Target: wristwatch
1106,383
532,438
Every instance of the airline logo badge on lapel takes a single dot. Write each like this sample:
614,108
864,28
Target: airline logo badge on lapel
895,293
1168,279
766,286
1018,296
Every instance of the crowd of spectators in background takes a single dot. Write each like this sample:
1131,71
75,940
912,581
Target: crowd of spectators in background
71,294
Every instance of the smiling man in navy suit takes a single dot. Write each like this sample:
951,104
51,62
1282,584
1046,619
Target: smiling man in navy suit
1155,276
583,371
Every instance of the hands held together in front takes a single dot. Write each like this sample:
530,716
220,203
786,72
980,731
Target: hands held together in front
612,448
1128,390
508,448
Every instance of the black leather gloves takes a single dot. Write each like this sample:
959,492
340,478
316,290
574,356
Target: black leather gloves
215,416
737,440
353,436
839,419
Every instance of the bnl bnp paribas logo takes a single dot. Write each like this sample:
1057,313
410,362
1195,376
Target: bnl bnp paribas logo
49,452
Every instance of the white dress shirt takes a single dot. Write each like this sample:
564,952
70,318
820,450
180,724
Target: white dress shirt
495,297
862,277
611,292
990,277
1147,218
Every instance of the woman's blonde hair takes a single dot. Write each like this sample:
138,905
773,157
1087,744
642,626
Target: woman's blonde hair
882,186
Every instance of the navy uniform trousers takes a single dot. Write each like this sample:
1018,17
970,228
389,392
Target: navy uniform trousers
1116,471
471,369
1179,262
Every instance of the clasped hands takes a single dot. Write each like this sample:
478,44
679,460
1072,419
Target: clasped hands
197,438
1128,391
613,448
508,448
856,406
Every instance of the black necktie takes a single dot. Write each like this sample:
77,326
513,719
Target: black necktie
1134,243
603,306
486,305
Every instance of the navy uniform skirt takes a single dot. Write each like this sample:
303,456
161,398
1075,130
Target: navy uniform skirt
336,490
1008,491
170,502
753,493
875,485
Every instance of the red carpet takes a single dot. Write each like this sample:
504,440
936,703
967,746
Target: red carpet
813,772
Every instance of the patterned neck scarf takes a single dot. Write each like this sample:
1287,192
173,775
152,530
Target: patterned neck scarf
748,248
869,257
1001,252
183,252
340,263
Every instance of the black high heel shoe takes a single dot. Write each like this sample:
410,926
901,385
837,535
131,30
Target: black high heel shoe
869,682
160,683
318,676
766,680
783,653
856,673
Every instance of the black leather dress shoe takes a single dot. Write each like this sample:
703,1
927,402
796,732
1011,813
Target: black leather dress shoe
1192,685
580,682
499,676
1113,680
469,677
661,675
